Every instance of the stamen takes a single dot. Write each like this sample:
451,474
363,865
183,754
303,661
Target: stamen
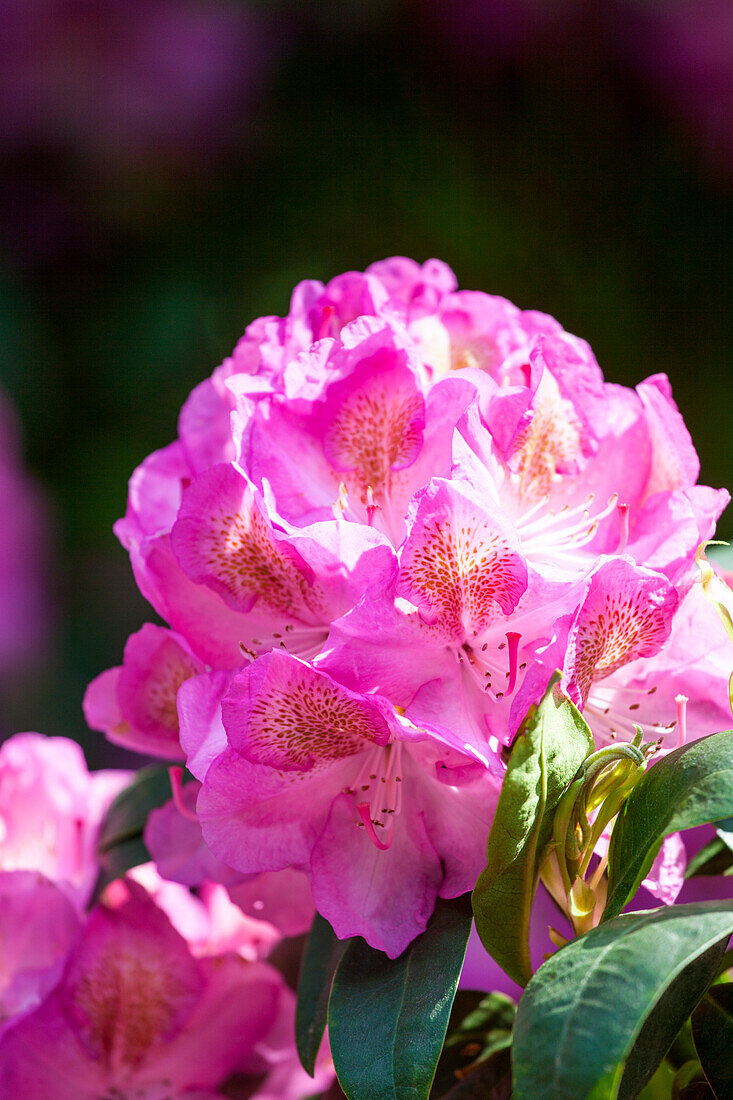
175,775
623,517
364,810
341,502
379,782
513,640
327,315
681,701
371,506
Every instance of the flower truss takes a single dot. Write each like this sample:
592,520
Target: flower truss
427,578
387,519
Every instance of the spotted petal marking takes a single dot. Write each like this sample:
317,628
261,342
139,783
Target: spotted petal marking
283,713
626,614
156,665
224,539
378,426
457,564
132,983
549,444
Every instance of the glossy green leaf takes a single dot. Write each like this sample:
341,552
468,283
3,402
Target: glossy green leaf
712,1032
551,745
691,786
589,1009
662,1024
387,1018
322,955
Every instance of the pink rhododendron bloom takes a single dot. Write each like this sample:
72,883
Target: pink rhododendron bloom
51,808
382,815
387,519
136,1013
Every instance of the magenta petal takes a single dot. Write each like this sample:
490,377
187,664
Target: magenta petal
177,845
458,563
627,613
675,464
283,713
256,818
666,875
203,737
135,705
282,898
131,983
223,538
385,896
38,928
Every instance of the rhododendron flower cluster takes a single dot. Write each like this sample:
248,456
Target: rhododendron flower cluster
387,518
151,991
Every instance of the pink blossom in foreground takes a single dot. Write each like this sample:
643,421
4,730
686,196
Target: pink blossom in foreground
406,504
51,808
136,1013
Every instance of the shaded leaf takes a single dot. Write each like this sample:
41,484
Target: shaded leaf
126,817
551,745
387,1018
120,845
691,786
586,1009
491,1080
715,858
323,953
479,1026
712,1032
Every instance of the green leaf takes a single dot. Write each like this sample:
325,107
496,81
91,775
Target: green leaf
591,1004
387,1018
479,1026
322,955
670,1013
712,1032
691,786
551,745
120,845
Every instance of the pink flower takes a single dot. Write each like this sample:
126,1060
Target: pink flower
51,808
135,705
387,519
381,815
136,1011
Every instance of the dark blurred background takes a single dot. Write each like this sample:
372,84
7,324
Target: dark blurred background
170,168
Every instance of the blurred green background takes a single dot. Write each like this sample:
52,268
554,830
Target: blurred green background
544,164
